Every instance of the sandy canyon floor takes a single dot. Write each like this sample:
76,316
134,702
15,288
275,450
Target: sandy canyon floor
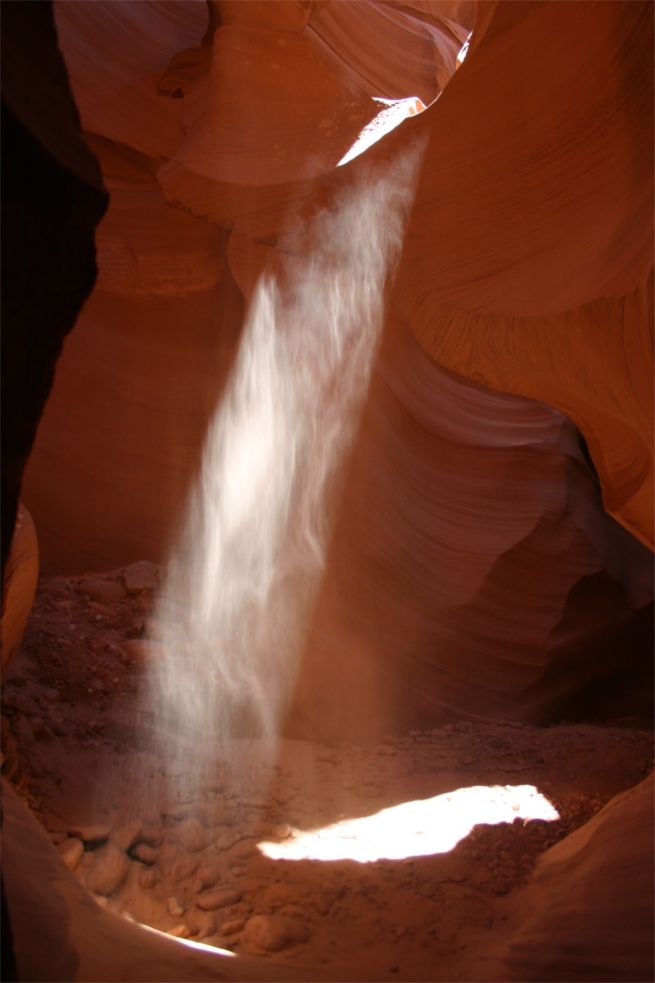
261,856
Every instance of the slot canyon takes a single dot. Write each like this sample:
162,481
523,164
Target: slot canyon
327,490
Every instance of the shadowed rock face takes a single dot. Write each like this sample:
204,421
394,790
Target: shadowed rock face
52,199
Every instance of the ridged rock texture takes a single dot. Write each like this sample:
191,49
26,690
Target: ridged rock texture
475,568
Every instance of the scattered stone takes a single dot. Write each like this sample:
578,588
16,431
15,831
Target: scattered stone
147,878
191,835
151,834
146,854
200,923
282,831
90,834
70,852
226,839
232,926
141,575
180,931
108,872
244,849
100,610
207,876
128,835
271,933
174,908
211,900
175,865
107,591
139,652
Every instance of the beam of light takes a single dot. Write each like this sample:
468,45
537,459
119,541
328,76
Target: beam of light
233,612
464,50
415,829
395,111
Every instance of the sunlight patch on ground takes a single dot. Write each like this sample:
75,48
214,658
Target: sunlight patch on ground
415,829
395,111
189,943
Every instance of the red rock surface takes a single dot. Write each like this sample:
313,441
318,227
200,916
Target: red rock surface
476,569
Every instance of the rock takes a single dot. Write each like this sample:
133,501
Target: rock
139,652
146,854
100,610
221,898
147,878
282,831
90,834
200,923
191,835
128,835
208,875
70,852
226,839
271,933
244,849
151,834
108,872
232,927
105,591
142,575
179,931
174,908
176,865
51,695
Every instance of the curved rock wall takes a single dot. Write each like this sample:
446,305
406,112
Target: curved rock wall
472,534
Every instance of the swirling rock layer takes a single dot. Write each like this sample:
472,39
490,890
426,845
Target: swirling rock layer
473,568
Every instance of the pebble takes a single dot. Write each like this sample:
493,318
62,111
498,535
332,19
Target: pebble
208,875
138,652
282,831
232,926
101,610
174,908
107,591
151,834
271,933
147,878
191,835
128,835
70,852
200,923
146,854
227,839
108,872
218,899
90,834
141,575
179,931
